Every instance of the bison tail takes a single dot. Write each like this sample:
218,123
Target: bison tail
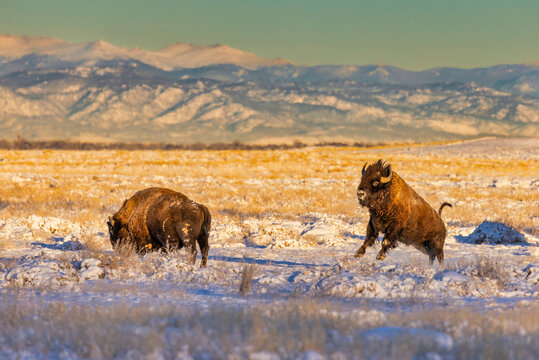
442,206
206,225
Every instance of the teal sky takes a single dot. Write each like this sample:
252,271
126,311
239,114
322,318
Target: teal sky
412,34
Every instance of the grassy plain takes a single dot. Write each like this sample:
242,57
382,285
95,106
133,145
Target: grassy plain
87,186
157,306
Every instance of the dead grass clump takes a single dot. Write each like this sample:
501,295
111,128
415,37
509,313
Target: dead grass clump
6,264
125,249
122,256
246,283
484,267
93,243
310,240
491,268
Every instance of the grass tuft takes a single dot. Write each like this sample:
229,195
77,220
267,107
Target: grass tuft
246,283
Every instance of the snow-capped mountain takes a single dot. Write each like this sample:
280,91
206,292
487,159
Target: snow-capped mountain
177,55
187,93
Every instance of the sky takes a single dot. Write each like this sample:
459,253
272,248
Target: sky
411,34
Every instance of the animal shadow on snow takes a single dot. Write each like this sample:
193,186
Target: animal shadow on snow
251,260
349,235
494,233
61,244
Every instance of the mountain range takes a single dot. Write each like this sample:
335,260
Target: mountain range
185,93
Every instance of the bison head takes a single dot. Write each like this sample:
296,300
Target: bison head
113,230
117,232
375,178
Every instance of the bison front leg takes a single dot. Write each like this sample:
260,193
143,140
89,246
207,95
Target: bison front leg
383,251
430,251
434,250
371,236
389,242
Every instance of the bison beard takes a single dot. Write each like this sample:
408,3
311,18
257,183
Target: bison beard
162,219
399,213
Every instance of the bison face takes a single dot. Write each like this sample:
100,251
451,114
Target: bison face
113,232
116,231
375,178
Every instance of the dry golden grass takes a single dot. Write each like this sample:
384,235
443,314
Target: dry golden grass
60,330
87,186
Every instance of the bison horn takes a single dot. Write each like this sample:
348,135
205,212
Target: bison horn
364,167
386,179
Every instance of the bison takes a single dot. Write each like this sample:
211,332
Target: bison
161,219
399,213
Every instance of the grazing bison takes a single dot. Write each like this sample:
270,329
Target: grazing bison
398,212
158,218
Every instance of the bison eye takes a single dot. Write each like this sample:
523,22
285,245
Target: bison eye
375,183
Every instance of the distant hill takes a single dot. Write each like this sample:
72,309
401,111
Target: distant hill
52,89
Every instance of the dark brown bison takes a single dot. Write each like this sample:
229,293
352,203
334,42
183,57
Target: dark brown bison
162,219
399,213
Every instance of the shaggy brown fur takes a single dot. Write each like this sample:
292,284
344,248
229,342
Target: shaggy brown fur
162,219
398,212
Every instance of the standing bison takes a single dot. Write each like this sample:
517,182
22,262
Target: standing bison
158,218
398,212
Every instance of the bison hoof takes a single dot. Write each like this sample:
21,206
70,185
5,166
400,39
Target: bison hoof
381,257
360,253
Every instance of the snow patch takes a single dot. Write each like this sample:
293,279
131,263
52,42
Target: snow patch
92,269
450,276
36,271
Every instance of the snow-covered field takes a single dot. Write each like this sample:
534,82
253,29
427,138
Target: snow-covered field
285,226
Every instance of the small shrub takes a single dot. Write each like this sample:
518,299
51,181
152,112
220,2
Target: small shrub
246,283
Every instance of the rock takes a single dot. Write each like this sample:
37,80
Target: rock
494,233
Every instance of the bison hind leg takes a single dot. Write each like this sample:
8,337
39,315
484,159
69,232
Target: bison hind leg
204,248
434,253
186,235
